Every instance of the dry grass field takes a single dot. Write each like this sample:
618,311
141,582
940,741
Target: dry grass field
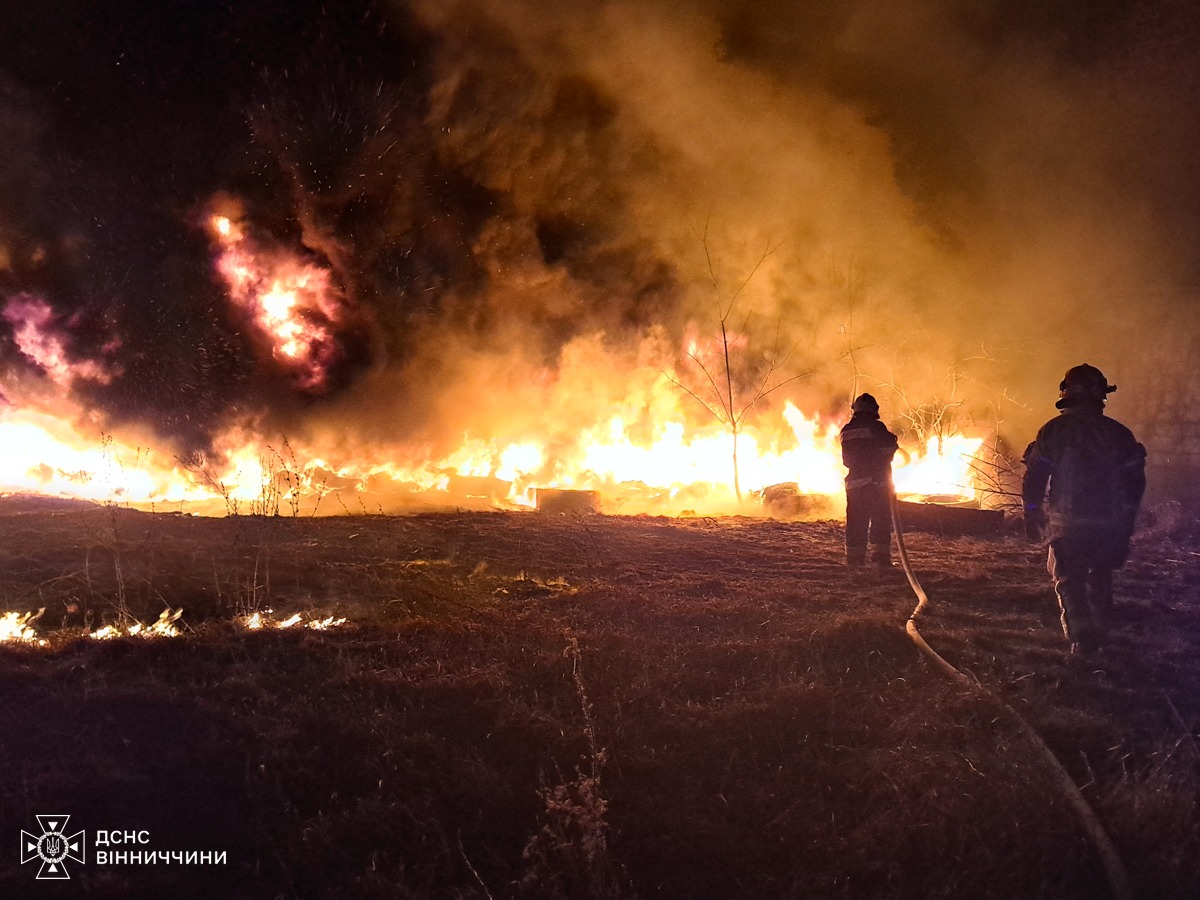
521,705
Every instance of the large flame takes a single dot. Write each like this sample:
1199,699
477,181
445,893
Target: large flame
655,450
677,466
43,453
685,467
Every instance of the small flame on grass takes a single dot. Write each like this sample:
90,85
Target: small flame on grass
14,628
164,627
257,621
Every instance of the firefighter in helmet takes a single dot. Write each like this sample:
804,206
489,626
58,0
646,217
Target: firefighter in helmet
1096,473
867,451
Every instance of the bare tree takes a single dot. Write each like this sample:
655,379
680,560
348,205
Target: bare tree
935,417
851,282
732,385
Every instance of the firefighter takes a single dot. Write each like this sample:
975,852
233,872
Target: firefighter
867,451
1096,472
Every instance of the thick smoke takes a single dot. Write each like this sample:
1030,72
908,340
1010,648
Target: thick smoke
529,202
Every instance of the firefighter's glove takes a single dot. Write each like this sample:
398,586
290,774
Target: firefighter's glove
1035,524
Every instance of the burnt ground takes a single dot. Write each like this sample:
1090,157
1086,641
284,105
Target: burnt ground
531,706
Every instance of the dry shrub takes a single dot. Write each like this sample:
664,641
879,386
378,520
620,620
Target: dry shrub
569,856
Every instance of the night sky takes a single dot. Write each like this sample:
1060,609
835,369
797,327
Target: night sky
984,193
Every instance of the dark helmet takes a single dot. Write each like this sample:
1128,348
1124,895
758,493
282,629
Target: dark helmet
865,403
1083,384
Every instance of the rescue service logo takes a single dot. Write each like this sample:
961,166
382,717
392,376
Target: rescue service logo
53,847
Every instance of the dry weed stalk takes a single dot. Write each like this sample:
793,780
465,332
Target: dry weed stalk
121,603
569,856
281,481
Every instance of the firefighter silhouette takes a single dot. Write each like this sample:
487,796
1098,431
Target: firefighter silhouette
1096,474
867,451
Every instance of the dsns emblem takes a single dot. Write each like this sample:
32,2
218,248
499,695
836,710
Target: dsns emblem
53,847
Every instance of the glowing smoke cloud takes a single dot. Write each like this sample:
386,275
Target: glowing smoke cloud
525,207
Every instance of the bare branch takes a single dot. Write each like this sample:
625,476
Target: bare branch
683,387
708,258
766,393
712,381
768,251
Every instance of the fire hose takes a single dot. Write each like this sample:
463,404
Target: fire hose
1114,869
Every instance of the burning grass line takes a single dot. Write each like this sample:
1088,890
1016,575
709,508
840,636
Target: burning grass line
260,621
163,627
15,627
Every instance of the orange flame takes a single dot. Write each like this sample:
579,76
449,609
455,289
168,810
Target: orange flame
14,627
643,453
262,620
293,304
164,626
674,467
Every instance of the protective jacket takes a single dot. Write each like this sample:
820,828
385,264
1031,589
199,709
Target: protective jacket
1096,471
867,451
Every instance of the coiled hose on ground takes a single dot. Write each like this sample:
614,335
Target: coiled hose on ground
1114,869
